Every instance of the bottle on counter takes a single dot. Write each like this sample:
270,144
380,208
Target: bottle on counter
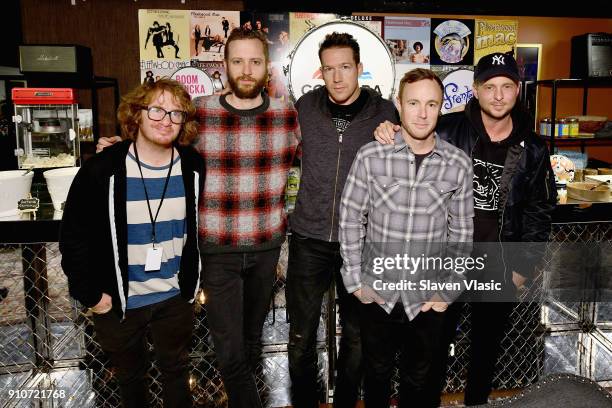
573,126
545,127
562,127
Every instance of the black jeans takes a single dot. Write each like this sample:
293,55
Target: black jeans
171,325
238,288
417,341
312,266
489,321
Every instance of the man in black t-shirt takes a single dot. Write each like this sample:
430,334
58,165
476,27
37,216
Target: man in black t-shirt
335,122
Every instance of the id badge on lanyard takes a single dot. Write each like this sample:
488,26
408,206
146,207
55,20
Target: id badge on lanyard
154,254
154,259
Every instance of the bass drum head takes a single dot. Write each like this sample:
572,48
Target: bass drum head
305,67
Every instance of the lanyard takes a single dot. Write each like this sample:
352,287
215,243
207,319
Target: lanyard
147,195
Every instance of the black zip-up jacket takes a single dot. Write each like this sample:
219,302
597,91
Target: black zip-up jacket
327,159
93,232
527,190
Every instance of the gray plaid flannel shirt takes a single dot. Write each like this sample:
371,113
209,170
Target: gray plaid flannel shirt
384,201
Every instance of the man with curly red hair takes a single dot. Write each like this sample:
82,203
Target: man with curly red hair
136,263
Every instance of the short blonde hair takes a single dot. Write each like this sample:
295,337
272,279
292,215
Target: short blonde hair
130,109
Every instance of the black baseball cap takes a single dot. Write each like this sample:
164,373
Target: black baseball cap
496,64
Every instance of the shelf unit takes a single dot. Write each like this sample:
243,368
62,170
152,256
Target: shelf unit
585,84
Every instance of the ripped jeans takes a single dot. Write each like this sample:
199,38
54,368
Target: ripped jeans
313,265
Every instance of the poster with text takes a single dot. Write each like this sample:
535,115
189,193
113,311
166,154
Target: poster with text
209,30
374,23
275,26
304,72
153,70
216,80
494,36
300,23
163,34
408,39
452,42
457,82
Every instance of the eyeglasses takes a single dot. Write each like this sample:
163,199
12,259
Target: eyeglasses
158,114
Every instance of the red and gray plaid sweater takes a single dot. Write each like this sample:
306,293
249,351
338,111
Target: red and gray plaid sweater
248,154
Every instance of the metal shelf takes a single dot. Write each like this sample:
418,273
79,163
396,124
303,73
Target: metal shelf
585,84
578,141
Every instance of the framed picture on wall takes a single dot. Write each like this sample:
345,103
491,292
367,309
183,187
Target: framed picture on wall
528,58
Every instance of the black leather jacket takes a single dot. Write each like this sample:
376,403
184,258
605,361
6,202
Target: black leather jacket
527,192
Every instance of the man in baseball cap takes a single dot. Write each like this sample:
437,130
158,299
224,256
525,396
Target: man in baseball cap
496,132
496,64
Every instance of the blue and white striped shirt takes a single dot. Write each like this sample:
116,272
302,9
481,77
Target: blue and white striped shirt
146,288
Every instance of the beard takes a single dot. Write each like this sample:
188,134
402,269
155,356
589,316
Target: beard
247,92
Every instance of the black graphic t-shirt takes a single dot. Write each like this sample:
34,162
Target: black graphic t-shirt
488,160
342,115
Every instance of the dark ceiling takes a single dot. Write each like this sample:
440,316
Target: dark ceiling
589,8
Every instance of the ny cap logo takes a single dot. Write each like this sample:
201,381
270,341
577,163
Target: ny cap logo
498,60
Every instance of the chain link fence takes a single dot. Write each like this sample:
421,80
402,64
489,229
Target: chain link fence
579,333
47,340
556,336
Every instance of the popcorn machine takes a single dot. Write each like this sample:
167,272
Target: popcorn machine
46,127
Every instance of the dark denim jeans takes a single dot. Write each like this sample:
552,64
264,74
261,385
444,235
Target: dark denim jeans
313,264
418,341
489,321
171,325
238,288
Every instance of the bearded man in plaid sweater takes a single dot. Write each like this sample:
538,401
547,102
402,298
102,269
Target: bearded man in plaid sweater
248,141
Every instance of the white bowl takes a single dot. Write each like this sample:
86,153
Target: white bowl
58,183
14,186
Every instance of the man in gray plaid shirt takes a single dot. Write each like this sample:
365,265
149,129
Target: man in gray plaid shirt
413,193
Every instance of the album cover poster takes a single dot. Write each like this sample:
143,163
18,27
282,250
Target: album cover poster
152,70
278,83
300,23
163,34
408,39
374,23
215,71
457,81
452,42
209,30
494,36
275,26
